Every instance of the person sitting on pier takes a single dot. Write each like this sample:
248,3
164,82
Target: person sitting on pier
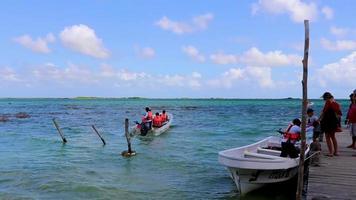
164,116
157,121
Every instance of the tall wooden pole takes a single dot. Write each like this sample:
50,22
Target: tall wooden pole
304,112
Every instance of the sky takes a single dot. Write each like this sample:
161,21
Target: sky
176,49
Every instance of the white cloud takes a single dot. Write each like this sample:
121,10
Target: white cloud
196,75
235,76
39,45
224,59
145,52
341,73
194,53
328,12
339,31
83,39
339,45
198,23
202,21
126,75
230,76
192,81
9,74
297,10
73,73
255,57
75,76
262,75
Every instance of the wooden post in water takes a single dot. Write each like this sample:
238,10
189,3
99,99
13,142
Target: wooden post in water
304,112
129,151
59,130
97,132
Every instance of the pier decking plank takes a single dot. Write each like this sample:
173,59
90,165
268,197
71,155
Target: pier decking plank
335,178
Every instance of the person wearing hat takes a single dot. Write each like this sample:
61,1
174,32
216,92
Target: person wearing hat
351,119
329,122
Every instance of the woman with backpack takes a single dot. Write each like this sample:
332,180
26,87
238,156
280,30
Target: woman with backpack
329,122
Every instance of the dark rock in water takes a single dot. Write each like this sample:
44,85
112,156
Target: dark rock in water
22,115
4,119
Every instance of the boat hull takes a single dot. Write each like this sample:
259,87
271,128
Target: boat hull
255,165
247,180
155,131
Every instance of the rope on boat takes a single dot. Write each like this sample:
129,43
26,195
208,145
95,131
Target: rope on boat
312,155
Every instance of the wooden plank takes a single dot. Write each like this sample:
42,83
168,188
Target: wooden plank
335,178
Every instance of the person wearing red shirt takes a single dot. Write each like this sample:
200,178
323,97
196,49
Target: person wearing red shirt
329,122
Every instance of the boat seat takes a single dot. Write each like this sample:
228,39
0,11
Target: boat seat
249,154
268,151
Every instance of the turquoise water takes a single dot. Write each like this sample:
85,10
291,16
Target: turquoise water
180,164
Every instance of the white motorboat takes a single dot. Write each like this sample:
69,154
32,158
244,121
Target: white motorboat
156,131
255,165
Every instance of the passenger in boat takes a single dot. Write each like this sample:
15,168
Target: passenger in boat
313,121
148,117
292,134
157,121
164,116
290,137
351,119
330,122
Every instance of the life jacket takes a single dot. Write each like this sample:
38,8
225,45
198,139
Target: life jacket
164,117
149,116
157,121
292,137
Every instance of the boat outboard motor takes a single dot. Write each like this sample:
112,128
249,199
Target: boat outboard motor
145,126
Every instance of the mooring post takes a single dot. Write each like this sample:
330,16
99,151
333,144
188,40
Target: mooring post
304,113
97,132
59,130
129,151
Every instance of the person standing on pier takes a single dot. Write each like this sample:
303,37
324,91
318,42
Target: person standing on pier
329,122
351,119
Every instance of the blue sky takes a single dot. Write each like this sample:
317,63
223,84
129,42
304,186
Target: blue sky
232,49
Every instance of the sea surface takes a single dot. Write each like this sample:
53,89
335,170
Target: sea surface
180,164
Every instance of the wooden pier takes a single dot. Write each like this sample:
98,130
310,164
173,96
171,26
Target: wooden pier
335,178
